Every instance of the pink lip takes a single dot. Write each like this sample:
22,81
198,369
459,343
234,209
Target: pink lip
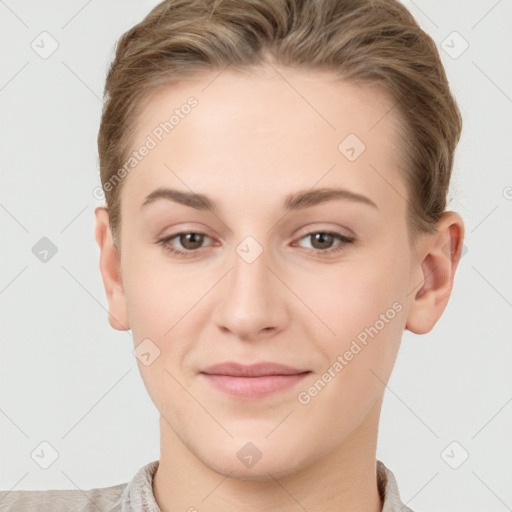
252,381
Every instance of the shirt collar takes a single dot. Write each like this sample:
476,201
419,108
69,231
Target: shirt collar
138,494
388,490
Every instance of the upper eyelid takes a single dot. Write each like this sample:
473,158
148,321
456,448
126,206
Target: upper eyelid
334,230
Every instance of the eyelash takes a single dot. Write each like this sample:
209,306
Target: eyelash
165,242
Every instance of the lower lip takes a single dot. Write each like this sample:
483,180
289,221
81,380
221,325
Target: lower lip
253,387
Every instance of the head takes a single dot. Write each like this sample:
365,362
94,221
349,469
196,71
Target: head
253,112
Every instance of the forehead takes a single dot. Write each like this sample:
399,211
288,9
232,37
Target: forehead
266,130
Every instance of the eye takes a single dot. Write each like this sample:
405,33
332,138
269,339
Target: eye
190,241
322,241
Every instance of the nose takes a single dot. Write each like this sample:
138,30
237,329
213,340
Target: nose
251,300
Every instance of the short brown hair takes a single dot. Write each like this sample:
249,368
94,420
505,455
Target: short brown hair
375,42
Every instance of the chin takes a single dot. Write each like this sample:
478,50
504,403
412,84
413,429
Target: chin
262,471
260,460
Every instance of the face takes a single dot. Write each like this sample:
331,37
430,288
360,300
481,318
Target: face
271,307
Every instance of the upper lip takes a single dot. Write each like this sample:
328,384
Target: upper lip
251,370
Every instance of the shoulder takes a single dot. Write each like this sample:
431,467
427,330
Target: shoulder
106,499
128,497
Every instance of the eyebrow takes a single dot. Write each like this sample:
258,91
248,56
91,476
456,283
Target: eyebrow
297,201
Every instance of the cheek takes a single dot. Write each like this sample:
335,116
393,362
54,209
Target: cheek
157,307
157,294
164,306
362,306
354,295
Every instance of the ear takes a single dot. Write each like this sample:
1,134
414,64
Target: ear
438,257
110,267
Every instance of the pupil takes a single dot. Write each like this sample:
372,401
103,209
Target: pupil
191,240
325,240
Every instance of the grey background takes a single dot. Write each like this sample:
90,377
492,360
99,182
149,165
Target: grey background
68,379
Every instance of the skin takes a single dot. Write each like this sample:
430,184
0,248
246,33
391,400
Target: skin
251,141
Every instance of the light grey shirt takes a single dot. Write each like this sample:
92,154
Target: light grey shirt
137,496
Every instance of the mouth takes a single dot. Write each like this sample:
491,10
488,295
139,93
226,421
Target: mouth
252,381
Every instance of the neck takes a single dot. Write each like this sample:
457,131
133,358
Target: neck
343,479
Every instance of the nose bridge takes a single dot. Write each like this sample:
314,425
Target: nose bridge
250,274
250,301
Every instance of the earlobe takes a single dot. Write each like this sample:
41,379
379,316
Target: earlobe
439,258
110,268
